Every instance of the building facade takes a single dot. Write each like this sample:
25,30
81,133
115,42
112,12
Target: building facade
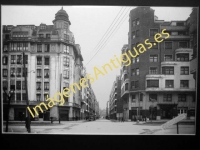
53,62
115,101
158,84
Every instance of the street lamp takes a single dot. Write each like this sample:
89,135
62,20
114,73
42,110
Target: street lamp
27,101
9,96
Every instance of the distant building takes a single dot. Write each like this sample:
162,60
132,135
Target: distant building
115,101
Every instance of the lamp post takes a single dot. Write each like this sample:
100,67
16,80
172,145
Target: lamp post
27,101
9,96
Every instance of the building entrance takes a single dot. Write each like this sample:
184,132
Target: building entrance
167,111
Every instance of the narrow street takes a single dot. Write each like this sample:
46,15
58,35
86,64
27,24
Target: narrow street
101,127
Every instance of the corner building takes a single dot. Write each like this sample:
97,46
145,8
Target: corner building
53,62
158,83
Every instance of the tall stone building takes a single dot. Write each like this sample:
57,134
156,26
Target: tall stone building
158,83
53,62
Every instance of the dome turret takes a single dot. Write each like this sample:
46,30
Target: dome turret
62,15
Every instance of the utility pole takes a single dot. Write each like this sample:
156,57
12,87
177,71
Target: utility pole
27,100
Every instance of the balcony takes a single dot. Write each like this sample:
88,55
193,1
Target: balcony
174,28
169,63
183,50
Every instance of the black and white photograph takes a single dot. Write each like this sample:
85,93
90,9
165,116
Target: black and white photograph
99,70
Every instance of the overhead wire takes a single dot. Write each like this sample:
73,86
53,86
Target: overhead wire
104,43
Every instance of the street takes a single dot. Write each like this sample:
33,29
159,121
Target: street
101,127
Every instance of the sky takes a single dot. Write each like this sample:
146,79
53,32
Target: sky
89,25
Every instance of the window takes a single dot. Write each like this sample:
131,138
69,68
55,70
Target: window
46,85
183,44
47,47
132,72
24,96
46,61
23,85
137,21
39,48
5,48
125,77
5,72
19,59
5,85
65,85
137,59
41,35
18,96
174,33
46,73
169,83
38,96
133,60
168,70
134,84
13,59
168,58
66,74
45,96
25,46
5,60
19,72
47,35
18,85
133,34
168,45
182,97
152,83
133,98
12,84
152,97
182,57
137,71
167,97
39,60
66,49
12,72
66,61
134,23
184,70
180,24
126,86
38,86
39,73
153,58
153,70
184,83
153,32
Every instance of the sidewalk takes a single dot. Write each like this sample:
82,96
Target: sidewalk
42,122
157,122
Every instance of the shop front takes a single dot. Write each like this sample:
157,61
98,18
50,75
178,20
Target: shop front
168,111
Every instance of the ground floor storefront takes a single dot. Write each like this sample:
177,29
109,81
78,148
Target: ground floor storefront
167,111
19,113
